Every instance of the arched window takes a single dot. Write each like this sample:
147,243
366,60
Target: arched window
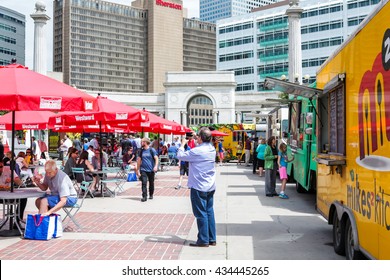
200,110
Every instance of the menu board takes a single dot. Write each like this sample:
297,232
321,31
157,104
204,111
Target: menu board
337,120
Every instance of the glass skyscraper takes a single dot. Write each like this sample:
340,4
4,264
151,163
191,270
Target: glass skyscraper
255,45
12,36
213,10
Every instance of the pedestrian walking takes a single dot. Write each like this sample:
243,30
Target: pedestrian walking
255,145
239,152
221,152
147,164
270,164
184,166
77,144
248,148
260,156
201,181
1,148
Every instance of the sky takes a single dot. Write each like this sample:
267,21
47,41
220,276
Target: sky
27,7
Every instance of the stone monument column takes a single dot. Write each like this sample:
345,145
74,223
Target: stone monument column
183,118
40,18
294,13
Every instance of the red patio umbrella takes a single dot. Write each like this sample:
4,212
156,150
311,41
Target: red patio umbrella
109,112
37,120
158,124
218,133
92,128
25,90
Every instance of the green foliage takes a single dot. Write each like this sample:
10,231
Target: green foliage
215,126
283,95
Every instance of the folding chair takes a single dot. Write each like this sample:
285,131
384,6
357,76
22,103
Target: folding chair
71,211
164,161
118,179
81,172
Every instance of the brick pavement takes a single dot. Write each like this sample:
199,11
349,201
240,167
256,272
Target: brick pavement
116,235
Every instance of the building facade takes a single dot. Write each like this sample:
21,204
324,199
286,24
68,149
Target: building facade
255,45
103,46
213,10
197,97
12,36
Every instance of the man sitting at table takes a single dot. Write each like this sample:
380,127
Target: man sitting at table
5,180
62,191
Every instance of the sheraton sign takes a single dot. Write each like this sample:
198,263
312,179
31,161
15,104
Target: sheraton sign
168,4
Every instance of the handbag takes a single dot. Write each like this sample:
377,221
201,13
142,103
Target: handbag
40,227
131,177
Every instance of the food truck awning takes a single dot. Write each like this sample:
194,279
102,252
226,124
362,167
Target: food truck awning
292,88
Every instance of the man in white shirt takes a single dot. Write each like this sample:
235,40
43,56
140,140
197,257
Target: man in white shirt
201,181
67,142
35,149
91,153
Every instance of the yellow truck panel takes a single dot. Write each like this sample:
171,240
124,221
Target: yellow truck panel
356,188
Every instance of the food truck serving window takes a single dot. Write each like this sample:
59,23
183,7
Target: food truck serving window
337,120
331,134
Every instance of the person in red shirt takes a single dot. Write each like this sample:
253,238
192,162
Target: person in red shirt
191,141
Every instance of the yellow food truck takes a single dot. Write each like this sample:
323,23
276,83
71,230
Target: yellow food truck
353,140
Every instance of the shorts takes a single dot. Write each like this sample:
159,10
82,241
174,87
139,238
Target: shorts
260,162
54,199
283,172
184,169
221,155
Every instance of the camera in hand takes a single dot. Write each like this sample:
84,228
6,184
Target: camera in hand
188,135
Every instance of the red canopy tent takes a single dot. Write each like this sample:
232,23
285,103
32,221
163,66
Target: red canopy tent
25,90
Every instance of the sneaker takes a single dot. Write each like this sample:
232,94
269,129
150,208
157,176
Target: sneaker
143,199
151,197
177,187
283,195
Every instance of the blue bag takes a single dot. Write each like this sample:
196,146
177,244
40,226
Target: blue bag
43,227
131,177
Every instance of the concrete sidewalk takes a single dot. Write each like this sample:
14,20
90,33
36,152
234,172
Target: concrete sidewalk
249,225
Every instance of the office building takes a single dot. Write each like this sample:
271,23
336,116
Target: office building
12,36
103,46
213,10
255,45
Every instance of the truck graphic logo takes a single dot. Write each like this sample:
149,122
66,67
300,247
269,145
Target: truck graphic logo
374,110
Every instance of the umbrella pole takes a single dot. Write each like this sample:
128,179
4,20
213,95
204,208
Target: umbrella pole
12,162
31,143
158,141
100,145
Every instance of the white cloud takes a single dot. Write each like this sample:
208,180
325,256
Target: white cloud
27,7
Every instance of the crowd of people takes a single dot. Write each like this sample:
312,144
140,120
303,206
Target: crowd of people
267,160
195,154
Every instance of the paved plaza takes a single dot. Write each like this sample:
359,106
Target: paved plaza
249,225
